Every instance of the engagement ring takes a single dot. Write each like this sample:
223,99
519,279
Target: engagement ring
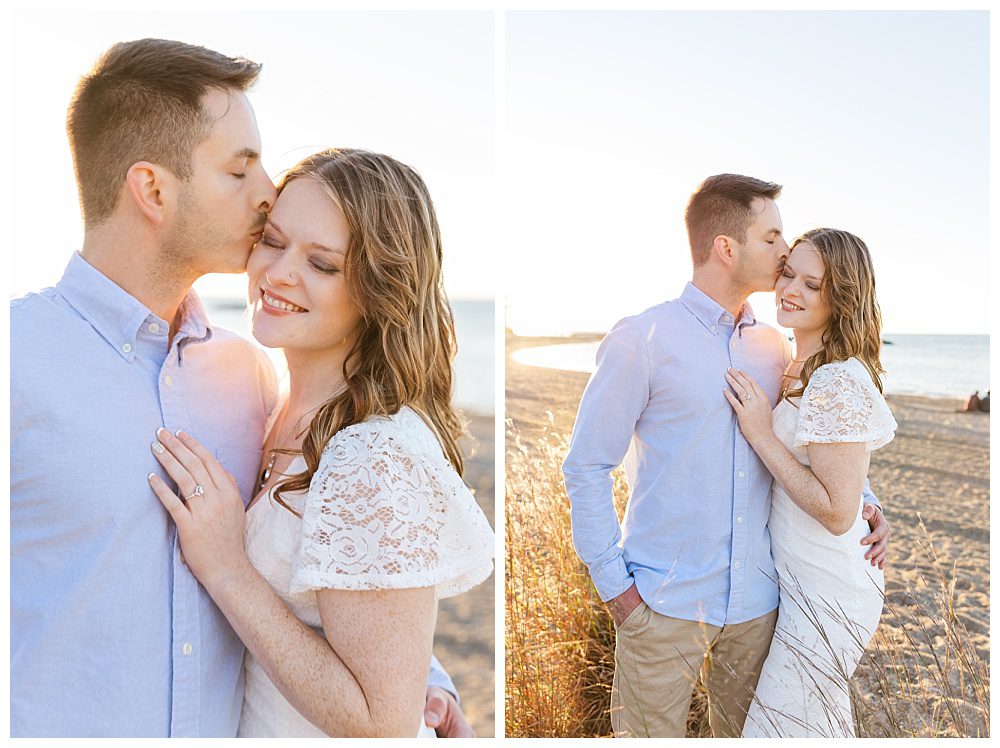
198,491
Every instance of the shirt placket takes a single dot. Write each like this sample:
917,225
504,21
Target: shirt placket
185,645
741,492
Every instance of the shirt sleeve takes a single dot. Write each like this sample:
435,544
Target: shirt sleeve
612,403
382,514
841,404
439,677
867,496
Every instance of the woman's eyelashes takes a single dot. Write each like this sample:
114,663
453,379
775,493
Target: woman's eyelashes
319,266
790,276
323,268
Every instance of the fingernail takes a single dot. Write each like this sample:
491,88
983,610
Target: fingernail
158,448
180,433
150,477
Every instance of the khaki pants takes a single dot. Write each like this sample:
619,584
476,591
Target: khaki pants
658,659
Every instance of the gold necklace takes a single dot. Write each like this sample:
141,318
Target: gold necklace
274,455
787,386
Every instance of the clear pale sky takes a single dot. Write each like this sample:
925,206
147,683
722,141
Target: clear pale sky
876,123
418,86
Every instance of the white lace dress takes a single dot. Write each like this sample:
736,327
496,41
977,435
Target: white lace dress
385,510
830,597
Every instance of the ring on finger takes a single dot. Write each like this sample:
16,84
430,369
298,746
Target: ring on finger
198,491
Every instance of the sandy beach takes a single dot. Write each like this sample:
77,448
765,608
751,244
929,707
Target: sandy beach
463,641
932,480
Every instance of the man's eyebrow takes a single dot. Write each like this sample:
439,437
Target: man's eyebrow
249,153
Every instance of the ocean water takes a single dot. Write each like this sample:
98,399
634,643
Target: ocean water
474,369
934,365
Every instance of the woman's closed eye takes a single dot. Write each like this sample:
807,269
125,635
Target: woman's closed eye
322,267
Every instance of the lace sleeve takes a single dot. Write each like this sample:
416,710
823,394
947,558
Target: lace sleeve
842,404
382,515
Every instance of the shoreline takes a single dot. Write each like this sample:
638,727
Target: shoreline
516,343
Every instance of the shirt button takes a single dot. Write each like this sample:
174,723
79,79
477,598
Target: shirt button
187,648
736,565
742,474
739,520
127,348
153,327
712,328
168,380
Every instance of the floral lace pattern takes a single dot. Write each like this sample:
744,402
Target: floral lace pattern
842,404
386,510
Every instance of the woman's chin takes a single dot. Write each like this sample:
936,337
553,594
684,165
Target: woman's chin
266,339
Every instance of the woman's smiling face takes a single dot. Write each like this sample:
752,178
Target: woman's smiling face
300,296
798,292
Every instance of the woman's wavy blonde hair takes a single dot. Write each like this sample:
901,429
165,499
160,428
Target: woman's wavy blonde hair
406,340
848,287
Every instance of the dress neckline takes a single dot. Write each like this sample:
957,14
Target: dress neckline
260,496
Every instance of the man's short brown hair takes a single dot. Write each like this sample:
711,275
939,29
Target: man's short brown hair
723,205
142,102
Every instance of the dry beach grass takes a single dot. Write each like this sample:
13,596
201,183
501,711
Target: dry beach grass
925,673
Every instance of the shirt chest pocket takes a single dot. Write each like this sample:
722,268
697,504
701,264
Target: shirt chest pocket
243,464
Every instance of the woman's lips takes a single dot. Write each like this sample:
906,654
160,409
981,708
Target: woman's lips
790,307
275,304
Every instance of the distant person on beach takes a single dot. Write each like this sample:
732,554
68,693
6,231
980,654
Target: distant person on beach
111,632
975,404
688,575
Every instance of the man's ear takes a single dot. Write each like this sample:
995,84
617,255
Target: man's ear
726,249
149,187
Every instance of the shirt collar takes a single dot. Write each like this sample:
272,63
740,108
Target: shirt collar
711,313
116,315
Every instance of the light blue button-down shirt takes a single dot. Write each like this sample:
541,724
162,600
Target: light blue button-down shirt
694,537
111,635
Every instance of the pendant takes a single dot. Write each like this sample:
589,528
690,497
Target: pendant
266,474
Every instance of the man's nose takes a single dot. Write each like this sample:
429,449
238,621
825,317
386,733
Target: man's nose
268,198
266,193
